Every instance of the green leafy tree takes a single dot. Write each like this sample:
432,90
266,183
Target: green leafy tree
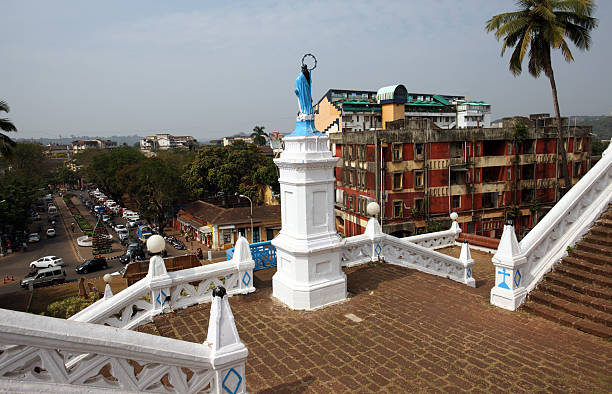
6,144
104,166
155,186
230,169
533,30
259,136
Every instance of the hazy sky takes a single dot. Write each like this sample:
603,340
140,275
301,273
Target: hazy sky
217,68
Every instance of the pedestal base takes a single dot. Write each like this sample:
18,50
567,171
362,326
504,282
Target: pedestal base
506,299
308,297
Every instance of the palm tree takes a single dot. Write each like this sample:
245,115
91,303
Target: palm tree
6,125
539,26
259,135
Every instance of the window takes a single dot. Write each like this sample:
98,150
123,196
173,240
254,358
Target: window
397,152
578,145
468,149
227,237
477,149
456,202
362,179
509,175
351,177
477,175
397,180
347,119
397,209
350,205
361,152
509,148
345,200
577,169
419,205
350,152
357,118
418,179
418,151
468,177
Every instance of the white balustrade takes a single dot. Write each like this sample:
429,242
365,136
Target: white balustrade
44,354
374,245
162,291
519,267
438,239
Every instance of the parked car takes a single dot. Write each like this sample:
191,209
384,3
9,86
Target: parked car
133,222
127,212
51,232
123,234
45,276
47,261
35,216
120,227
34,237
135,251
91,265
105,218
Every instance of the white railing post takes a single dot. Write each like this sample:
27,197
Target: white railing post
509,259
227,352
244,263
466,258
374,232
159,284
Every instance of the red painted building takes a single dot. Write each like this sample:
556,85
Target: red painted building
419,173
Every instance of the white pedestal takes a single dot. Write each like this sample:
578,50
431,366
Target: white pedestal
309,274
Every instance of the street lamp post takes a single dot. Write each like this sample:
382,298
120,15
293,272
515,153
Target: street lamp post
251,201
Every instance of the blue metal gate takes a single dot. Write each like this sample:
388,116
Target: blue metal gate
263,253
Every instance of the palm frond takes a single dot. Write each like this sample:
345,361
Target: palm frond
7,125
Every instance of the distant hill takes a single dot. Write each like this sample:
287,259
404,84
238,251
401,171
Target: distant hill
120,140
602,125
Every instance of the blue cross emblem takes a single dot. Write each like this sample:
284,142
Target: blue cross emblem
504,285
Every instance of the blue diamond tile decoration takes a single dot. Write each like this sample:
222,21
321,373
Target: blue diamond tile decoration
233,377
469,272
246,279
517,278
378,249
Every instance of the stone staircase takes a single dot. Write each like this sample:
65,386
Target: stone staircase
578,291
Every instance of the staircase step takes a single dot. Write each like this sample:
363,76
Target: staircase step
600,258
573,308
568,320
604,222
591,247
579,286
584,276
571,295
598,269
598,239
601,231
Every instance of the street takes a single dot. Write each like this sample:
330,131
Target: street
63,245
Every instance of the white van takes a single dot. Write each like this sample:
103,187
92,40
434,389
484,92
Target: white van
52,209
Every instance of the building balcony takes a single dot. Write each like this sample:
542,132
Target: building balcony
492,161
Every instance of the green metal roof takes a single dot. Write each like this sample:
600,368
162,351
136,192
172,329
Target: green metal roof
441,99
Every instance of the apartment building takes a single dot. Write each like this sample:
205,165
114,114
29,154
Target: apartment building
359,110
167,141
81,145
419,173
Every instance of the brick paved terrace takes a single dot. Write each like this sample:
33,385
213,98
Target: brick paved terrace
403,331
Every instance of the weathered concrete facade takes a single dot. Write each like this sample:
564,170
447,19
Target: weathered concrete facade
419,173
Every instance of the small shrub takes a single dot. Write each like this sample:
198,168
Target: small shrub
69,306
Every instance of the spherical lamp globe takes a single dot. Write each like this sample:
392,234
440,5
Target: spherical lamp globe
454,216
156,243
373,208
107,278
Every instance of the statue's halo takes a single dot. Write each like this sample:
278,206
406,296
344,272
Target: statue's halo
306,56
